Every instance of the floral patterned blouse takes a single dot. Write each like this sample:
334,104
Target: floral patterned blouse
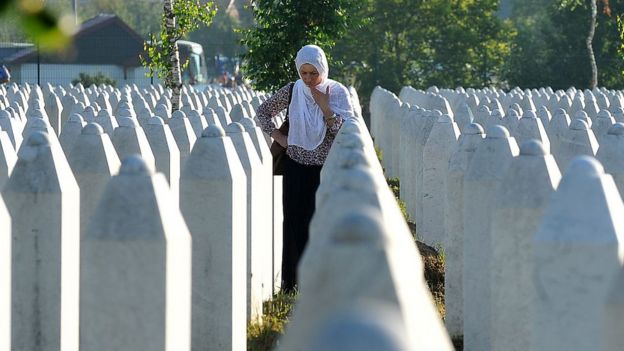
278,103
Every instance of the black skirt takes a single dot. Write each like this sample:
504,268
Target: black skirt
299,192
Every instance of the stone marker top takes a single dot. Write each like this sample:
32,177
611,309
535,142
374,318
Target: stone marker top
353,158
127,122
529,114
445,119
496,113
604,114
248,123
39,123
585,208
156,121
213,131
513,113
358,179
135,165
560,111
350,126
36,139
580,114
361,226
579,124
5,114
92,129
351,141
616,129
533,147
40,168
178,114
497,132
234,128
473,129
584,167
104,113
362,327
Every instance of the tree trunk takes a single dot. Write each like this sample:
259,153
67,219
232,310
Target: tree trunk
590,49
173,78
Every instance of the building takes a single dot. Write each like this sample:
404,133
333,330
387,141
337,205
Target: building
103,44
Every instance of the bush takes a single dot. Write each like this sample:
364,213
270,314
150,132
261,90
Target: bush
88,80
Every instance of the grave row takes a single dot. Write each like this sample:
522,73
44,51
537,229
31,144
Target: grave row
76,211
533,259
126,228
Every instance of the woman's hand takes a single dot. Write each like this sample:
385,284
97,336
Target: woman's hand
280,138
322,99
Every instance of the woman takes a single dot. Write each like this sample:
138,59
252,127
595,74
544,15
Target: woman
317,109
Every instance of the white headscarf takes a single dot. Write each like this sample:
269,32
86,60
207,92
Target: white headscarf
307,125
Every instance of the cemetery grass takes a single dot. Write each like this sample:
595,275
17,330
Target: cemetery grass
263,336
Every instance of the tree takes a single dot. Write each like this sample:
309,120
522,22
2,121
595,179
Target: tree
552,44
88,80
140,15
423,43
592,31
282,28
178,19
221,38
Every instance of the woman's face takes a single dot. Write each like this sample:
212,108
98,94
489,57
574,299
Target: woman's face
310,75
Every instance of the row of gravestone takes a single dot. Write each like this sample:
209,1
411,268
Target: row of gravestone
531,262
361,279
52,190
92,242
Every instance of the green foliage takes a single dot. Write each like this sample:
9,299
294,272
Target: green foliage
221,38
140,15
262,336
33,20
189,15
423,43
98,79
282,28
550,49
395,187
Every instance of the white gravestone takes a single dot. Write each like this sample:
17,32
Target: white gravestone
8,157
518,208
12,127
614,310
362,327
129,139
484,173
468,142
530,127
43,199
136,273
259,243
183,134
577,254
198,123
578,140
556,129
213,202
70,131
5,277
603,121
421,131
610,154
107,121
365,259
436,155
166,153
94,161
266,158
